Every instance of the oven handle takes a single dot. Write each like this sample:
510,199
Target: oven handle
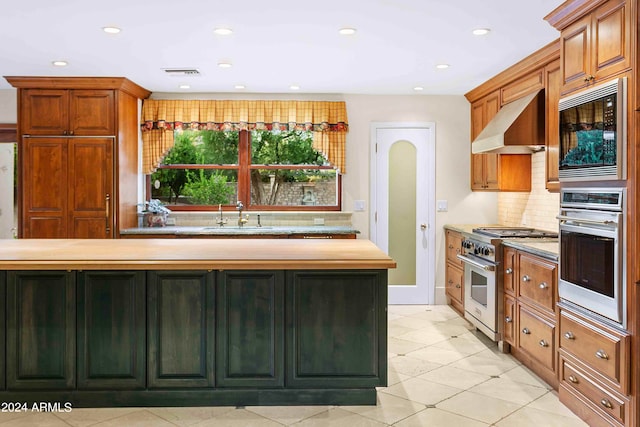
585,221
486,267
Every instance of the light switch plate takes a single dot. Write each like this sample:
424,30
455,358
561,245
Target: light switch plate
358,205
442,205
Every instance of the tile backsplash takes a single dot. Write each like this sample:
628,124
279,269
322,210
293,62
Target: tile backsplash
267,218
537,209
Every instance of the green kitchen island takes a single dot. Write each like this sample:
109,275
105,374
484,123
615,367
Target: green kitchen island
206,322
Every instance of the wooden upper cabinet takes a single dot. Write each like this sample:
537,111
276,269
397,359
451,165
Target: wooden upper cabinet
595,46
484,167
530,83
68,112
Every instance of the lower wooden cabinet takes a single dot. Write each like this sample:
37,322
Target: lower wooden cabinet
454,287
537,339
3,328
181,328
250,329
334,336
41,330
111,330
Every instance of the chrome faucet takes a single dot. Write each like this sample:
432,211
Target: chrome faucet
241,221
221,221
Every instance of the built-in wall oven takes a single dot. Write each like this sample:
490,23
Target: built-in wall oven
592,265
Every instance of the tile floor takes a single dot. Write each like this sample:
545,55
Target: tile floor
441,373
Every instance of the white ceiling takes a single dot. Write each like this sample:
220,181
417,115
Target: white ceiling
275,43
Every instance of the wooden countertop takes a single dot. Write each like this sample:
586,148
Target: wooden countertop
197,254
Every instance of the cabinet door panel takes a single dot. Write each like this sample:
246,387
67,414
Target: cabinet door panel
111,330
611,38
92,112
510,320
552,94
44,183
91,188
44,112
3,329
41,324
336,326
575,53
180,307
250,329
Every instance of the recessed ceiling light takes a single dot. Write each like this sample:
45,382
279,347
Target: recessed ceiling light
418,88
224,64
223,31
294,87
481,31
60,63
347,31
239,87
111,30
185,87
442,66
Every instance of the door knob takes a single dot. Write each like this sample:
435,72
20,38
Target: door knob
423,227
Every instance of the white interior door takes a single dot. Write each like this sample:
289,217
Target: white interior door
403,207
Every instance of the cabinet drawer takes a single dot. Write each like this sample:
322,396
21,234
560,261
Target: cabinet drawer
601,348
536,337
537,282
590,390
454,245
509,333
455,277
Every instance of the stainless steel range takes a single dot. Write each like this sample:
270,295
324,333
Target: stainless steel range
482,256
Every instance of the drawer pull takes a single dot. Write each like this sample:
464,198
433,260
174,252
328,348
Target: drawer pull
601,354
508,271
543,285
450,282
526,331
543,343
508,319
526,278
458,286
569,335
573,379
450,246
606,403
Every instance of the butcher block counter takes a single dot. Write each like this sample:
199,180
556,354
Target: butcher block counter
171,322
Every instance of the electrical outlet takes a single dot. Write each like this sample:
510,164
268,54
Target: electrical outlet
171,221
442,205
318,221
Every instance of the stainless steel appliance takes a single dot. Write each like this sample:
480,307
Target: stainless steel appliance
593,133
592,265
482,255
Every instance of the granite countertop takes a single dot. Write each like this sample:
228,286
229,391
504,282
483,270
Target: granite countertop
546,248
235,230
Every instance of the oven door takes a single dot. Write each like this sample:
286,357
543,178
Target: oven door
480,294
591,268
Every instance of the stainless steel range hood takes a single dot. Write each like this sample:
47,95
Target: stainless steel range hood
518,128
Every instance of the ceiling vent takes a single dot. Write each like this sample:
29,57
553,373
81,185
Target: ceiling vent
182,72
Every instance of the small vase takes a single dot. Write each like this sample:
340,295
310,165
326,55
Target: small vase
155,219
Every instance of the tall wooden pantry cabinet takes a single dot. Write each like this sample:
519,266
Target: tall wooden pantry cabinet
77,156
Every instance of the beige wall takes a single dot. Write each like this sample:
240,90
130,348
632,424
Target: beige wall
8,114
8,106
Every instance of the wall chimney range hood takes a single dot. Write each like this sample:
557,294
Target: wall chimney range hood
518,128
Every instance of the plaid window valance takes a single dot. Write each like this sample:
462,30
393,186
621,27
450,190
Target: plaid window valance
160,117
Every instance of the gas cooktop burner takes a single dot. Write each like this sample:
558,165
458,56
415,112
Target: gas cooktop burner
505,232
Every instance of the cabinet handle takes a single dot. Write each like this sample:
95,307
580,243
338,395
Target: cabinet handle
526,278
70,132
508,319
606,403
458,286
569,335
543,343
450,246
601,354
64,132
543,285
450,282
526,331
508,271
107,203
573,379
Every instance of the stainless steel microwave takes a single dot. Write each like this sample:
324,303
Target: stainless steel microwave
593,133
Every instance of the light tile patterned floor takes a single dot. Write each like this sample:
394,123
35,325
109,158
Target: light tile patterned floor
441,373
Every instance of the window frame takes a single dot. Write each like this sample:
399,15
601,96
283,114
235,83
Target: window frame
244,168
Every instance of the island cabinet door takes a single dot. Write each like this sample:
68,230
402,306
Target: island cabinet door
250,329
41,326
111,330
3,305
336,324
181,328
